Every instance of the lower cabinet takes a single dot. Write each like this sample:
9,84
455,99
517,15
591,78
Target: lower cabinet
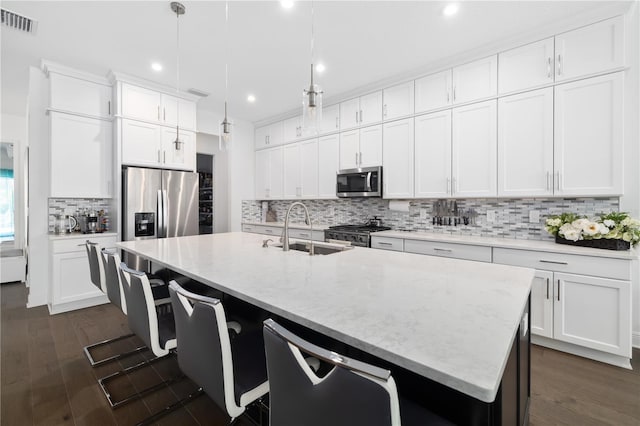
303,234
455,251
71,286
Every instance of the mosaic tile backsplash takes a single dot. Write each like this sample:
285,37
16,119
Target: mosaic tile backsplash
73,207
512,215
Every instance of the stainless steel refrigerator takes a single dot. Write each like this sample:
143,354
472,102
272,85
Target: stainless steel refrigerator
157,204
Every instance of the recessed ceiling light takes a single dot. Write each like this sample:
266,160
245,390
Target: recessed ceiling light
156,66
286,4
450,10
320,68
251,98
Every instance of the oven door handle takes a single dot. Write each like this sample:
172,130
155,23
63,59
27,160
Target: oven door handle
369,181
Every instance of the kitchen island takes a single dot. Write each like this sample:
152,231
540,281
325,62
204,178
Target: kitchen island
461,325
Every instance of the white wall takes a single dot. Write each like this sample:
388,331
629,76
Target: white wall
240,162
13,129
208,144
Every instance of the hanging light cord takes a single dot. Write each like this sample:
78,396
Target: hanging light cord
312,39
226,53
177,76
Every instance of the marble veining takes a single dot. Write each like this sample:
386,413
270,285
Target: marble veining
452,321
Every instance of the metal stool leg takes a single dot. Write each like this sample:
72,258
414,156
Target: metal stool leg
95,363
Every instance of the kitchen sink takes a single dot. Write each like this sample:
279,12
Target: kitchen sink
318,248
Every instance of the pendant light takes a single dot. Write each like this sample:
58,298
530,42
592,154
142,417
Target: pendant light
224,139
311,98
178,9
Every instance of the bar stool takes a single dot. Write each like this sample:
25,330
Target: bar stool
353,392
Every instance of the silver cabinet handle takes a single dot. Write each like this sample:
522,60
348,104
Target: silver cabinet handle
109,107
267,139
164,156
454,93
164,114
548,176
549,67
547,288
356,116
361,116
304,234
441,249
454,186
356,158
361,158
553,262
559,64
268,231
448,96
158,156
158,112
448,185
557,180
558,290
337,124
384,110
382,243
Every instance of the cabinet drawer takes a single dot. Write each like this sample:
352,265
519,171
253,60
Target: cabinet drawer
305,234
250,228
456,251
77,244
385,243
569,263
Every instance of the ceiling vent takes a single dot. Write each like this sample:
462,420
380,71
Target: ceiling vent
18,22
198,92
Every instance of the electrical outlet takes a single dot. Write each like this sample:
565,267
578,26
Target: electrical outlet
534,216
423,214
491,216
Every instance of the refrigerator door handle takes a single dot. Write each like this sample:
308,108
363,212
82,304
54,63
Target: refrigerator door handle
160,214
165,214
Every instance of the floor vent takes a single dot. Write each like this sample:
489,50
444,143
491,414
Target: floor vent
18,22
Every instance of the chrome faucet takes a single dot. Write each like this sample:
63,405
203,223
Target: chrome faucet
285,232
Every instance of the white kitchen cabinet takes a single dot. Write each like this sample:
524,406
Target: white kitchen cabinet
292,129
542,304
140,103
330,119
181,156
525,144
433,155
433,91
590,50
180,111
71,286
80,96
474,150
269,173
269,136
526,67
593,312
398,101
588,137
397,158
301,169
141,143
444,249
361,148
81,157
361,111
386,243
328,165
476,80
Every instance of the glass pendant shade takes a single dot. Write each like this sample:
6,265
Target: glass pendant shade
225,138
311,108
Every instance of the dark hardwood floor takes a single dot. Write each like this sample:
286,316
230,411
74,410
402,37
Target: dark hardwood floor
47,380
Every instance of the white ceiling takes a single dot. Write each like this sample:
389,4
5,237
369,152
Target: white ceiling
361,42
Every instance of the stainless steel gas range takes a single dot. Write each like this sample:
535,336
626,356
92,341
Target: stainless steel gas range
358,235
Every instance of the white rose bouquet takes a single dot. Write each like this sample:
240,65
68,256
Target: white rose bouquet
615,225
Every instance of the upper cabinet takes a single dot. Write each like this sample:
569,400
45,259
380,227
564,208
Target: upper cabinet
80,96
476,80
433,155
433,91
398,101
270,135
361,148
292,128
301,170
397,158
590,50
526,67
140,103
330,119
361,111
328,165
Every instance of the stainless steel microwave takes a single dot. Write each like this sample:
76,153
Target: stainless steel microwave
365,182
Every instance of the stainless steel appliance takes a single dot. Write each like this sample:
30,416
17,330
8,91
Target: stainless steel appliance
365,182
157,204
358,235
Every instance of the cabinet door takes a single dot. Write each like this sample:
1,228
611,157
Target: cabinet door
291,170
262,174
261,137
276,134
525,144
433,91
174,109
141,143
81,157
588,146
475,80
397,159
328,165
371,146
349,149
371,108
140,103
70,278
80,96
433,155
542,304
292,129
526,67
349,114
591,49
474,147
276,168
330,119
398,101
593,312
309,169
181,156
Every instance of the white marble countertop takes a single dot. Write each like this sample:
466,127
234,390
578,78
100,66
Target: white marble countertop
546,246
449,320
54,236
316,226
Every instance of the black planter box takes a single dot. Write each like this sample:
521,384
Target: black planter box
603,243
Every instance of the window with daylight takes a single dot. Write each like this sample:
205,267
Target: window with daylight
7,207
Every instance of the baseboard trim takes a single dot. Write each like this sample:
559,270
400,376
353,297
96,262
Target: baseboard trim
79,304
617,360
